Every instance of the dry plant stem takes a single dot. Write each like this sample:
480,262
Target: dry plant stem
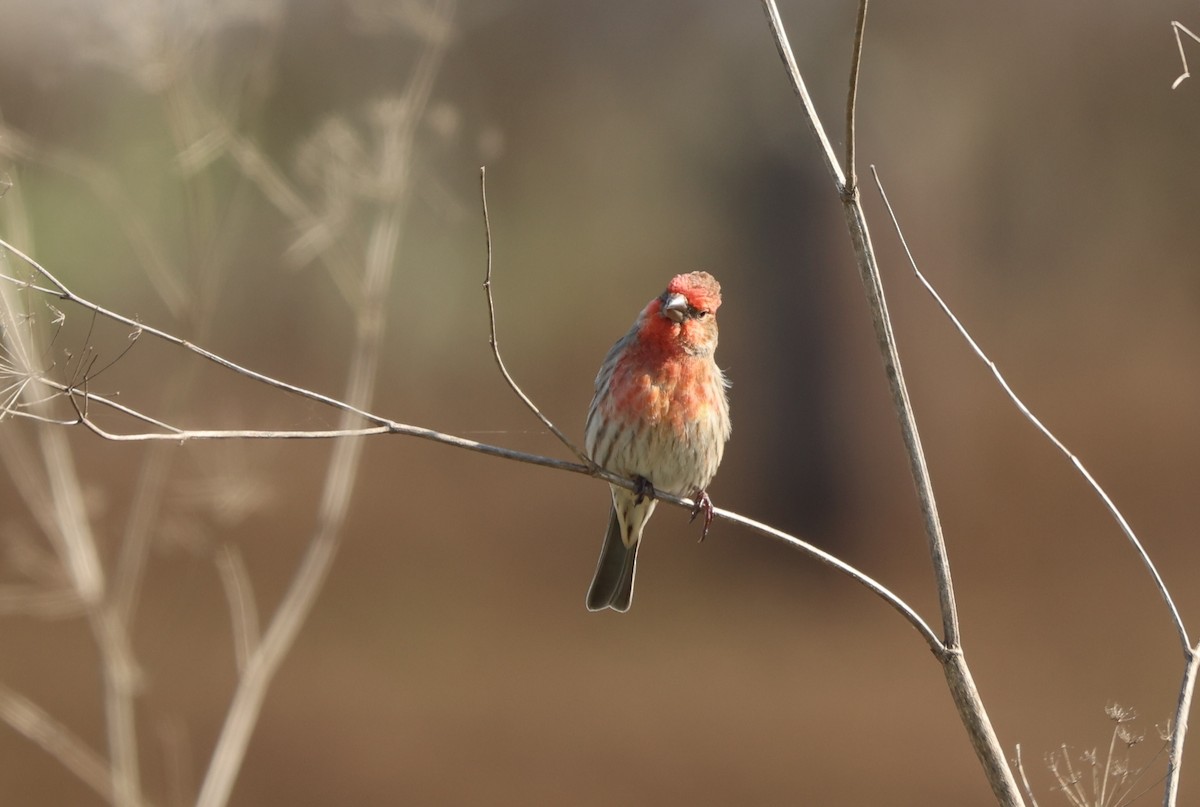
292,612
120,686
1024,780
1143,555
173,434
798,86
1178,28
62,292
487,285
1183,709
55,603
872,585
382,247
32,722
962,687
75,543
243,612
868,268
860,30
1187,686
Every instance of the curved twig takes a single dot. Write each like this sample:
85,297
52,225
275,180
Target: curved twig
62,292
384,425
1143,555
487,285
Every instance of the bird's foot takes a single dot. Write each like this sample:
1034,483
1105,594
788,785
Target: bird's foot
642,489
703,504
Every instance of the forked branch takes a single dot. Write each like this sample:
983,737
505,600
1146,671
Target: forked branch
958,676
1179,28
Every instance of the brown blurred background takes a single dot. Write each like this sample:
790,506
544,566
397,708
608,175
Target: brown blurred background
1047,178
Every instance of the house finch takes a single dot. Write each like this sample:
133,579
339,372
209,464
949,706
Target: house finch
660,416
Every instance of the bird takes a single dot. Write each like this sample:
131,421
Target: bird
659,416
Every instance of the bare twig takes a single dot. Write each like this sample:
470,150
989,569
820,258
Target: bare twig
1177,28
31,721
878,589
962,687
886,341
174,434
66,524
801,90
1024,780
487,285
54,603
383,244
1183,708
243,612
61,291
1143,555
1191,657
860,29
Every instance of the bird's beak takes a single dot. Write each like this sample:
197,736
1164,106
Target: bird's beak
675,307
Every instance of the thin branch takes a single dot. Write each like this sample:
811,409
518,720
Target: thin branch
903,608
958,676
74,392
487,285
872,585
1183,709
45,603
801,90
243,613
1024,779
1176,619
382,247
386,426
31,721
860,29
61,291
885,339
70,531
1178,28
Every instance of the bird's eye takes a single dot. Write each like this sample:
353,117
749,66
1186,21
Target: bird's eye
699,313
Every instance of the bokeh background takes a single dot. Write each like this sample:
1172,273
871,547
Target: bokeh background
1046,176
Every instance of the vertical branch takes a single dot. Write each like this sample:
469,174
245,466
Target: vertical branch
243,612
1024,779
958,676
69,530
798,86
868,267
383,244
860,29
1179,729
1190,653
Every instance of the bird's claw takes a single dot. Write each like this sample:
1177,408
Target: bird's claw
703,503
642,489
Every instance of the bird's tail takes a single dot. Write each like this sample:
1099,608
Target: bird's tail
612,587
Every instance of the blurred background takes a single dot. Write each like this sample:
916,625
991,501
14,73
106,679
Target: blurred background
214,169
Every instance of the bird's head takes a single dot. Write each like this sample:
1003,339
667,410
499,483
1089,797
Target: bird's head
685,315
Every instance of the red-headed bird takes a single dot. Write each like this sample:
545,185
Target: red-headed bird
660,416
